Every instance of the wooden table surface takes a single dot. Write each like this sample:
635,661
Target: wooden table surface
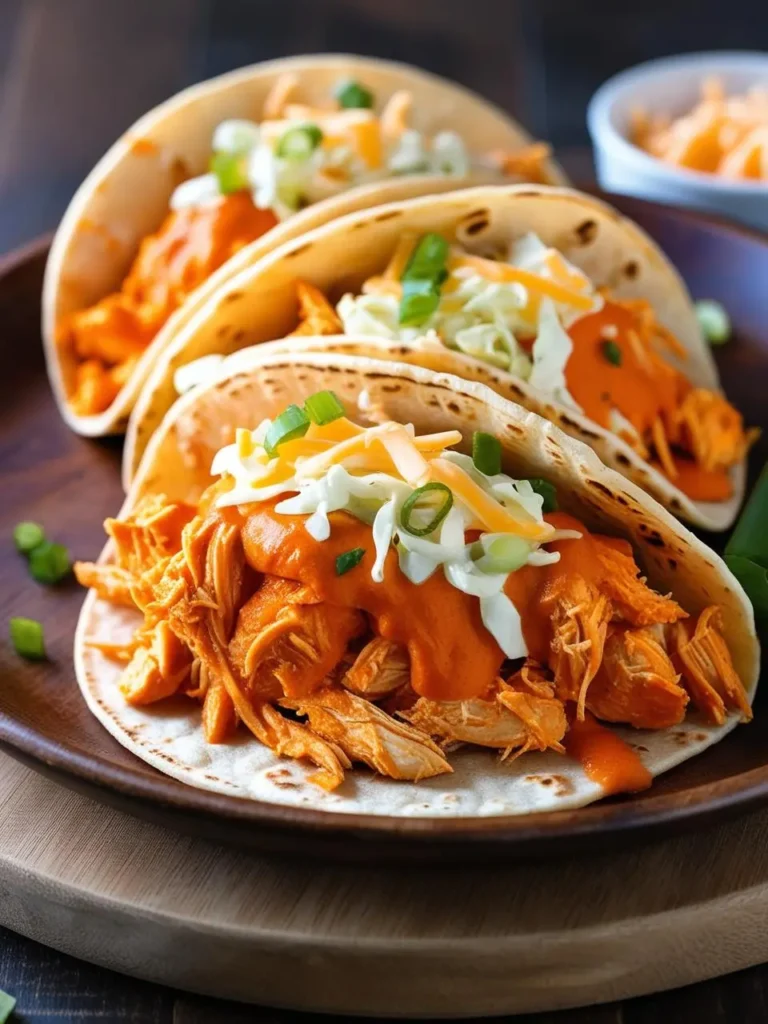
75,73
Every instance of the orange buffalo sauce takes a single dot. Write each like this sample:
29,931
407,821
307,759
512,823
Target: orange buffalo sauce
453,656
641,385
193,242
605,757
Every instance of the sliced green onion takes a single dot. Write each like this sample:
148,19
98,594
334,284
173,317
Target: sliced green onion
299,143
231,172
501,553
423,275
714,321
27,536
611,352
410,507
486,453
291,424
548,492
746,553
351,95
348,560
323,407
7,1004
27,638
49,563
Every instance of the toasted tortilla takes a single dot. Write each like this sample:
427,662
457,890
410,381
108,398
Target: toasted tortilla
259,304
125,197
259,383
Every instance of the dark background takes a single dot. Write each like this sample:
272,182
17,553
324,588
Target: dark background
75,73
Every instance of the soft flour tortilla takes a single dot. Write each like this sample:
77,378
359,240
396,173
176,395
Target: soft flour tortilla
259,304
126,196
256,384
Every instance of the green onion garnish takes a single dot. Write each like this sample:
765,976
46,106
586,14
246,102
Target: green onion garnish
714,322
230,171
27,638
49,562
424,273
7,1004
486,453
300,142
348,560
746,553
323,407
548,492
351,95
500,554
27,536
611,352
291,424
410,507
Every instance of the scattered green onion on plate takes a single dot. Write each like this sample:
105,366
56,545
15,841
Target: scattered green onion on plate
411,508
348,560
351,95
714,321
746,553
486,453
291,424
28,536
323,408
27,639
49,562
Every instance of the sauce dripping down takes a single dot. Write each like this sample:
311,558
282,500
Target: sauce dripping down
605,757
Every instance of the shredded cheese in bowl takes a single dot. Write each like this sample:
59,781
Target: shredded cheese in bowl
722,135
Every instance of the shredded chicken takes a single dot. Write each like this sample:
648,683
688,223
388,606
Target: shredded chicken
257,649
632,598
379,670
579,614
637,683
701,656
285,647
365,733
317,316
508,720
709,427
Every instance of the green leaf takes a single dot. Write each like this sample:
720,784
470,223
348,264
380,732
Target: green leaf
750,535
7,1004
754,579
548,492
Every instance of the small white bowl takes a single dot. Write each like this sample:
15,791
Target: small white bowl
672,85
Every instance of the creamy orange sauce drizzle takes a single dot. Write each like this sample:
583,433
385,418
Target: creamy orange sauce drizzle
643,387
453,656
605,757
188,247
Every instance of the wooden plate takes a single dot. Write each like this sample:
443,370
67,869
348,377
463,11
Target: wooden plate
70,484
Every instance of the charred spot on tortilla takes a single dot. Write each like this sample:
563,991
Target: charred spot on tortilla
586,232
631,270
475,223
229,297
672,563
387,215
622,459
298,251
223,331
391,388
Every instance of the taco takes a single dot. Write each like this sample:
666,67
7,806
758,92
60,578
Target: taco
547,295
361,567
222,173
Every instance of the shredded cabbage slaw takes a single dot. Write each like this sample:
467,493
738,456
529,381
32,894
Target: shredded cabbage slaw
370,473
